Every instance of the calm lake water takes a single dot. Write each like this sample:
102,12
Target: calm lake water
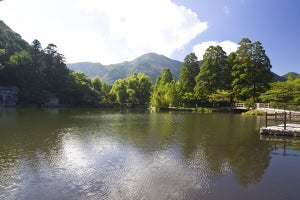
92,154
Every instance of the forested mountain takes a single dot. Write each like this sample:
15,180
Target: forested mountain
89,68
150,64
40,73
291,74
10,41
276,77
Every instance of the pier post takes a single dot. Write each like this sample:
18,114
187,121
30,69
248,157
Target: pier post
284,123
275,118
266,119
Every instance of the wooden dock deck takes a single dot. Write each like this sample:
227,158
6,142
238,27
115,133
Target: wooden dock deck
282,130
282,124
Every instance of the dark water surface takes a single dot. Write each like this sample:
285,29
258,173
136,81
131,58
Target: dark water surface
91,154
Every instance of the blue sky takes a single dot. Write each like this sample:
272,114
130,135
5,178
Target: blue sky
119,30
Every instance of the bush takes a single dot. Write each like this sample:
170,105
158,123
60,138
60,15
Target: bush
203,110
255,112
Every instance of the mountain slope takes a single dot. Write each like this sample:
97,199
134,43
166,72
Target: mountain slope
150,64
10,42
292,74
89,68
276,77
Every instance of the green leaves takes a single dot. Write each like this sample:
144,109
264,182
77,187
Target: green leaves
189,71
251,72
212,72
283,92
134,90
165,92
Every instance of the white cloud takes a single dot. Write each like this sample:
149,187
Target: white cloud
226,10
106,31
78,43
146,26
227,45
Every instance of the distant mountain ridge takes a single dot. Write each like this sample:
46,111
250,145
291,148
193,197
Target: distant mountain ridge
292,74
150,64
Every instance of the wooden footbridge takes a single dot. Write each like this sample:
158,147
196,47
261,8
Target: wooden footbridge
239,106
242,106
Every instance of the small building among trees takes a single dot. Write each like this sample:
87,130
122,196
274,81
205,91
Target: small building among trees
8,96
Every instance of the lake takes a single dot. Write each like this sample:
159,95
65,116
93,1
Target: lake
94,154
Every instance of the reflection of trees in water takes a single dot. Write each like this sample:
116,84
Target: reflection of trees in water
248,160
281,145
30,134
229,143
150,132
222,143
217,143
247,155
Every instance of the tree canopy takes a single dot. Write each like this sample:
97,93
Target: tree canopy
212,73
133,90
251,71
244,75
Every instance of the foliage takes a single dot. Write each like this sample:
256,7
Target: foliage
164,93
291,75
243,75
255,112
220,97
251,71
283,92
133,90
40,73
189,71
187,82
150,64
203,110
212,71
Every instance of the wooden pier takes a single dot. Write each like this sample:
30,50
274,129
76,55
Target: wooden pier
282,124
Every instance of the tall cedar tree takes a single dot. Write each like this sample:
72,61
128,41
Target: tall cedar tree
164,92
212,72
251,72
189,71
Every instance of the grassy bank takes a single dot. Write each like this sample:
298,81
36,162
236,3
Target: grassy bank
255,112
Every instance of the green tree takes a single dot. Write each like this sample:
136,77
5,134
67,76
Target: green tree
164,92
251,72
211,75
133,90
79,90
166,76
189,71
97,85
171,95
283,92
187,82
55,70
156,97
106,96
28,78
144,89
119,91
227,77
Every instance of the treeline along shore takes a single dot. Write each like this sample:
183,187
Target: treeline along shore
42,78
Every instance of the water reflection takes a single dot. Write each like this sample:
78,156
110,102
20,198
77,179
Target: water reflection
91,154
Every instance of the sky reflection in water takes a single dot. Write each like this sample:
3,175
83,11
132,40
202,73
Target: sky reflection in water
87,154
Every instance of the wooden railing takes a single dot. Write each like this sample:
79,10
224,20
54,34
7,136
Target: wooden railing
257,105
238,106
273,119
